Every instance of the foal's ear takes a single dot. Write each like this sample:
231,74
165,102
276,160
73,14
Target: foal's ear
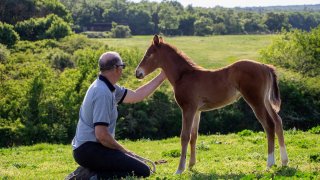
161,39
156,40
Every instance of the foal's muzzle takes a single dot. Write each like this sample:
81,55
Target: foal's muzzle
139,74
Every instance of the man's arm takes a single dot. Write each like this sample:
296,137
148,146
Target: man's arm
145,90
106,139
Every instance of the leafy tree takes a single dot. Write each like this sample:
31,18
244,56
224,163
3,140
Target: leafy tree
168,19
203,26
219,28
232,22
276,21
46,7
7,34
311,22
13,11
186,25
253,26
88,13
139,21
296,20
34,96
116,12
155,20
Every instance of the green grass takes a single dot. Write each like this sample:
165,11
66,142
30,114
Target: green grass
232,156
209,52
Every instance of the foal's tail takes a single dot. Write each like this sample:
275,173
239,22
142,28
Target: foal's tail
274,93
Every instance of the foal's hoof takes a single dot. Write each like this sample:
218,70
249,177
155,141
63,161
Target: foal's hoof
285,162
179,171
191,165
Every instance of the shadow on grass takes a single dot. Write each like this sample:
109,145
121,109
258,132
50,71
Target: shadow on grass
286,171
197,176
278,172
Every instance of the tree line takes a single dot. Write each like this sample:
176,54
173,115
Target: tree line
167,17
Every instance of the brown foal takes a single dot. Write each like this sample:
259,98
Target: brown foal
197,89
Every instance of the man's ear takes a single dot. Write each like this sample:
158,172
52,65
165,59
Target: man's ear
156,40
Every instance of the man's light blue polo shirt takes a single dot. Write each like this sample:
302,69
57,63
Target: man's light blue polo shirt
99,107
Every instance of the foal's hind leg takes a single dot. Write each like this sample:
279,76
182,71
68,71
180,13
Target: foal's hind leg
268,126
279,131
193,140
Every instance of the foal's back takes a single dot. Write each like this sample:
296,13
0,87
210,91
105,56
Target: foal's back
212,89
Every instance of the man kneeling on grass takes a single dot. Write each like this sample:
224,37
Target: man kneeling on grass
94,146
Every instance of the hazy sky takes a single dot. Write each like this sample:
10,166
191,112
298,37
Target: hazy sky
242,3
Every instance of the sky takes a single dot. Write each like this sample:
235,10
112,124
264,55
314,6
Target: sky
242,3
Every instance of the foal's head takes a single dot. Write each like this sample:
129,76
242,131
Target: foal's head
150,61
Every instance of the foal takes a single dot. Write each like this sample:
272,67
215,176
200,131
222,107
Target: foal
197,89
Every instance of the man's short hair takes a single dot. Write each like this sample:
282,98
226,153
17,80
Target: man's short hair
109,60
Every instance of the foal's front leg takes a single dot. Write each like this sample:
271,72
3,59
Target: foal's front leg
187,119
193,140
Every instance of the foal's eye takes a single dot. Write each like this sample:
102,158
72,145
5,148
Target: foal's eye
147,56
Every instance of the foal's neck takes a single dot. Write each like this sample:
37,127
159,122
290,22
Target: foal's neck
175,65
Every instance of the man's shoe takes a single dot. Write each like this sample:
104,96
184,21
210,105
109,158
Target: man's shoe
80,173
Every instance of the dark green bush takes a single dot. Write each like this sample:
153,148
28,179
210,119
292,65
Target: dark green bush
58,29
51,26
297,50
10,133
95,34
8,36
245,132
315,130
4,54
300,106
120,31
61,60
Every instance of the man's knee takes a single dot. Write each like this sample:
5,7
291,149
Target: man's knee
144,171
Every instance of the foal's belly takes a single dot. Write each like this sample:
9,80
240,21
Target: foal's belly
210,103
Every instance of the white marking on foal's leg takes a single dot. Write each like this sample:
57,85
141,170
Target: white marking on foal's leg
179,171
270,160
182,165
284,156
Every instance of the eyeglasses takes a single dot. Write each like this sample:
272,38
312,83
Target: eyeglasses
122,65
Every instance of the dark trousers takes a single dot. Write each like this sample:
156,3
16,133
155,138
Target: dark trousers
109,163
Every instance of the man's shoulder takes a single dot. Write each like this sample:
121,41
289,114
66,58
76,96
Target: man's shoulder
99,88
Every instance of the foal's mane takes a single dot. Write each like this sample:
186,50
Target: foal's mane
184,57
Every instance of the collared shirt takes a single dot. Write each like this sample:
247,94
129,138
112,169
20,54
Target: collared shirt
99,107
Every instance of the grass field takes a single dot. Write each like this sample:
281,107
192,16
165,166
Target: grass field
219,157
209,52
